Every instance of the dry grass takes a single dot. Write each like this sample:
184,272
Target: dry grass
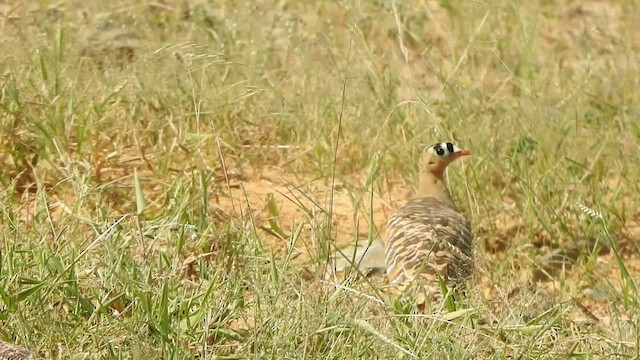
175,174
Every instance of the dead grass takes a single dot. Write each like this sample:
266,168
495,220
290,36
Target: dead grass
265,134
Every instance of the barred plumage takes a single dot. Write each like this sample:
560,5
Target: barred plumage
14,352
428,238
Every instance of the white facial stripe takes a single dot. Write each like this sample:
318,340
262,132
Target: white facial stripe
448,148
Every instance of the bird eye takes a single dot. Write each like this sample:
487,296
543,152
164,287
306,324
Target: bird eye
439,151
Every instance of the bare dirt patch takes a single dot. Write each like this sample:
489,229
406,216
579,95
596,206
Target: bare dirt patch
277,200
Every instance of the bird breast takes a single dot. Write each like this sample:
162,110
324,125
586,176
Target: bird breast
428,238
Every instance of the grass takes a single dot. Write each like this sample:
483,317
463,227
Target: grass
175,175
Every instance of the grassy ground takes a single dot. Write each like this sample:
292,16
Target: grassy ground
175,174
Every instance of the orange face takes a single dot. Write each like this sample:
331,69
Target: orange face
438,156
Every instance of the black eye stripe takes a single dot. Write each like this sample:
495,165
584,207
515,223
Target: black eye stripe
443,148
450,147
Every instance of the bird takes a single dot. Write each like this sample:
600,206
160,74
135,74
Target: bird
10,351
428,239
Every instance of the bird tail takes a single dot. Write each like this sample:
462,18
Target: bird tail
366,256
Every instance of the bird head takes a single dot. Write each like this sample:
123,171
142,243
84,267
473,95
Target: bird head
438,156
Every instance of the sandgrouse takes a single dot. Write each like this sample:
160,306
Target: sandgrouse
14,352
427,238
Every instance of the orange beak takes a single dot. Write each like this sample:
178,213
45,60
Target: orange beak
462,153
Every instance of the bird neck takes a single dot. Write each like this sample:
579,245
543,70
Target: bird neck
432,185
